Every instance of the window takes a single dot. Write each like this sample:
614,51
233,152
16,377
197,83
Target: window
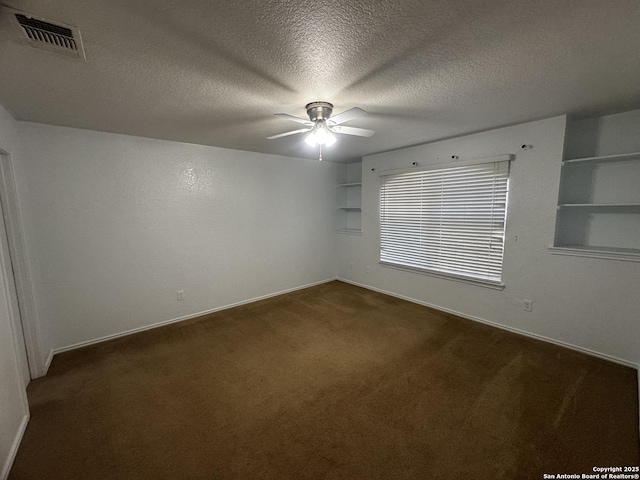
448,220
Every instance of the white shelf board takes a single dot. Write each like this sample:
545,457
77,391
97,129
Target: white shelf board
599,205
349,185
611,253
605,158
355,209
349,231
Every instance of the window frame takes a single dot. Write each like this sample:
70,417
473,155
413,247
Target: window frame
436,273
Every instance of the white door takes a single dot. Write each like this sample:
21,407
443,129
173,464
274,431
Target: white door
14,308
10,286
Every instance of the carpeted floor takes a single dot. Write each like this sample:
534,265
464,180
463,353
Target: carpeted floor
331,382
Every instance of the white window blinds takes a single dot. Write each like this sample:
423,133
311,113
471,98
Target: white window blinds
446,220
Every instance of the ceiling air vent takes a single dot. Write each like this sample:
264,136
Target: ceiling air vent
47,35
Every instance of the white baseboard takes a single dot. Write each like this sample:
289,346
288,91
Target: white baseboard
6,468
47,362
186,317
577,348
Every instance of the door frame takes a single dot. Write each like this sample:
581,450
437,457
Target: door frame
38,363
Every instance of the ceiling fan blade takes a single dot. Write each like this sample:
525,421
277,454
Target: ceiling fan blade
359,132
293,132
347,115
294,119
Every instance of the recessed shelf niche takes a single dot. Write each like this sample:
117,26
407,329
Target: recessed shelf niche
599,198
348,217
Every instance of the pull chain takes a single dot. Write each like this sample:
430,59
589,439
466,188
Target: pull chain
320,157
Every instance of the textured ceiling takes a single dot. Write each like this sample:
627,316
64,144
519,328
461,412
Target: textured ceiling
214,73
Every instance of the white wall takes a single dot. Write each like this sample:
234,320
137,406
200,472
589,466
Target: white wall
589,303
13,404
118,224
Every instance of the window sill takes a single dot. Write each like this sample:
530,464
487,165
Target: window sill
455,278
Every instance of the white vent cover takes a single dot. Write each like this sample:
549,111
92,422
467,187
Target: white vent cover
47,35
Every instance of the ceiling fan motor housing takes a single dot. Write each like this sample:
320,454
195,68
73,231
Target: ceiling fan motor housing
319,111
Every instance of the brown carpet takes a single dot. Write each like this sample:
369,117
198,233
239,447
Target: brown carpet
331,382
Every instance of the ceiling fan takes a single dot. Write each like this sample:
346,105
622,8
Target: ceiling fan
322,125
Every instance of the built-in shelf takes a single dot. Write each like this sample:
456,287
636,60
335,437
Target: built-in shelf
632,251
349,198
349,231
625,157
625,254
598,204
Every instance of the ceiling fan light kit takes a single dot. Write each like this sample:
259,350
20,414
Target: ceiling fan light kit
320,135
322,126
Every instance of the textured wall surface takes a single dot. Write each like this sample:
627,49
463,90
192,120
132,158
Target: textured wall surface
214,73
587,302
118,224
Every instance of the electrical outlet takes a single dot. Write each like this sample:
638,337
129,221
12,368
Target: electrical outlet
351,265
527,305
180,295
368,269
